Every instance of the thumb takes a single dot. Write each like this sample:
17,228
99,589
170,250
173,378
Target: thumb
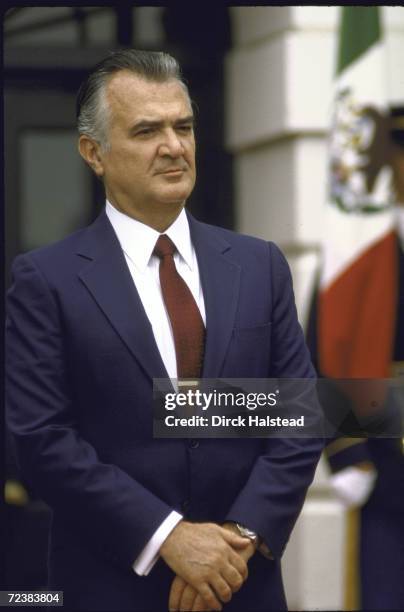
235,540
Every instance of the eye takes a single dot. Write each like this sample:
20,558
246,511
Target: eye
145,131
185,128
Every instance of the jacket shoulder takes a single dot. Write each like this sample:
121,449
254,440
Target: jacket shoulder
246,242
55,249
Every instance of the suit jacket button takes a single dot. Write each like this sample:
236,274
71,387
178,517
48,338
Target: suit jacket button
193,443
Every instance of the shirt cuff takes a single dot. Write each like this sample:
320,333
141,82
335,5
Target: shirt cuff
150,553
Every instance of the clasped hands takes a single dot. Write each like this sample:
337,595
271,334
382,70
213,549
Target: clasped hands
210,563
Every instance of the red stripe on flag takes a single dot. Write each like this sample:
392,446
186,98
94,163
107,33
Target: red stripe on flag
357,315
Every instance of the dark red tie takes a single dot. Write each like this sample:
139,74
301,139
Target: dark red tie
186,321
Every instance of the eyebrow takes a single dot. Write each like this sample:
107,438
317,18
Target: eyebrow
145,123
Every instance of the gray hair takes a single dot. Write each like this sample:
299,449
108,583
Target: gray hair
92,108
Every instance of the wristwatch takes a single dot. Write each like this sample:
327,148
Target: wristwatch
247,533
256,540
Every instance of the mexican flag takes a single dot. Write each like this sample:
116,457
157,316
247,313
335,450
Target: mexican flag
357,291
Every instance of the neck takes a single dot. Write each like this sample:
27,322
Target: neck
157,217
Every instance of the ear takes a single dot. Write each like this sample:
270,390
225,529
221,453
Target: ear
90,151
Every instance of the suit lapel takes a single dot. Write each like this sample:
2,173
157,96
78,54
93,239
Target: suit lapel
107,277
220,277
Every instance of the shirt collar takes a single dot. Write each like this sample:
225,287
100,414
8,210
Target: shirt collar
138,240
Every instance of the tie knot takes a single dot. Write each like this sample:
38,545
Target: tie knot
164,246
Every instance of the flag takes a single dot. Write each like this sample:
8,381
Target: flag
357,299
356,308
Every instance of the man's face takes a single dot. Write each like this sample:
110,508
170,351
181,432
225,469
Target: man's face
149,167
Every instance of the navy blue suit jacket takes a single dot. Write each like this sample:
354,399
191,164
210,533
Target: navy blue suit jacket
81,359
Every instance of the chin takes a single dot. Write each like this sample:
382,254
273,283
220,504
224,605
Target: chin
176,197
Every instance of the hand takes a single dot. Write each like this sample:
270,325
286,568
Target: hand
204,556
184,597
249,550
354,484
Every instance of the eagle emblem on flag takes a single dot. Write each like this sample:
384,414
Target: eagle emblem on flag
360,176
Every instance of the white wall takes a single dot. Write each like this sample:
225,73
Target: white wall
278,86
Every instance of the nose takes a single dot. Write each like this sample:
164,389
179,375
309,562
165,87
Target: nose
171,145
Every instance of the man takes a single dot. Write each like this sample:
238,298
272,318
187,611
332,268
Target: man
142,523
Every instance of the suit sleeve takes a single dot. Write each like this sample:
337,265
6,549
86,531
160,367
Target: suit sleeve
273,495
102,502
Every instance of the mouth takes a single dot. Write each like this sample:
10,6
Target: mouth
172,171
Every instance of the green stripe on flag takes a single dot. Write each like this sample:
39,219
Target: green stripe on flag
360,29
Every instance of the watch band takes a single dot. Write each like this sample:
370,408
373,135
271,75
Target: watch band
247,533
256,539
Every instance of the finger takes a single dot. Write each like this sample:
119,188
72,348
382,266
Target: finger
199,604
209,597
188,597
222,588
235,540
177,587
239,564
232,578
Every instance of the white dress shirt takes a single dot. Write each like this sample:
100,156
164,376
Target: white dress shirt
138,241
